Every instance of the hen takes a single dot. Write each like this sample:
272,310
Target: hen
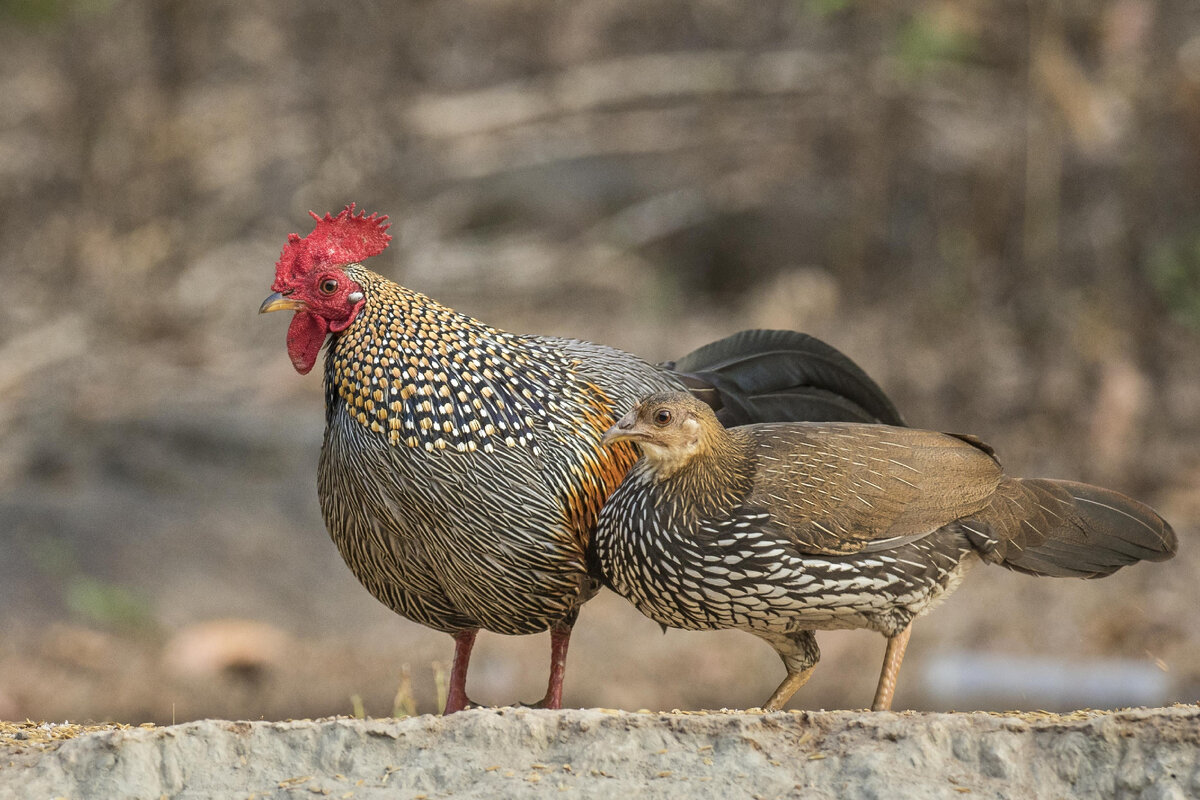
783,529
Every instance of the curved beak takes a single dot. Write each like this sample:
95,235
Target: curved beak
624,430
280,302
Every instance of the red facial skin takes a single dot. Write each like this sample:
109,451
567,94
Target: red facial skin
325,295
310,278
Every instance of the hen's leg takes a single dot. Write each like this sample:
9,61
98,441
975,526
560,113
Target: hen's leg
891,669
800,655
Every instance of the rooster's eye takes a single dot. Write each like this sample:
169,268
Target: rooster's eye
329,286
662,417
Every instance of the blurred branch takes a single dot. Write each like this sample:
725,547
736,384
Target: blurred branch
651,219
1043,159
618,82
1091,114
36,351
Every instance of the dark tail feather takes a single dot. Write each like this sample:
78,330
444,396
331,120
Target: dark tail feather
1065,529
782,376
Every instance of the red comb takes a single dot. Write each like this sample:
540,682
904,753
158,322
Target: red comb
344,239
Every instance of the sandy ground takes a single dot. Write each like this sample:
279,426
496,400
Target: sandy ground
993,207
1142,753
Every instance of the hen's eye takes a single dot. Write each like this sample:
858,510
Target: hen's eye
662,417
329,286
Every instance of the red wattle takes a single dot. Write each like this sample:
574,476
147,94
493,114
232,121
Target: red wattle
305,336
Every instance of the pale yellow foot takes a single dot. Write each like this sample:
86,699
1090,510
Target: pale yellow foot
891,670
786,689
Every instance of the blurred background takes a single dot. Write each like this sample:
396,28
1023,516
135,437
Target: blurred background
994,207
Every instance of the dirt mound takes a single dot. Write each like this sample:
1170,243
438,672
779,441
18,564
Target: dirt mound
519,752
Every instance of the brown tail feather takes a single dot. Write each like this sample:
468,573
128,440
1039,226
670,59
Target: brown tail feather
1065,529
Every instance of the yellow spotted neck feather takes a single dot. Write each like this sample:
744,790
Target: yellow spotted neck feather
429,377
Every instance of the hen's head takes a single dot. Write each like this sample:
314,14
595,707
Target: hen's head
310,279
670,428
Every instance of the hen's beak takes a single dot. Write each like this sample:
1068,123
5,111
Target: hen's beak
625,430
280,302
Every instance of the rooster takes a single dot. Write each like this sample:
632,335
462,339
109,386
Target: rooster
462,470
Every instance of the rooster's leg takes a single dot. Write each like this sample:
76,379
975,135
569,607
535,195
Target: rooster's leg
456,697
891,669
560,637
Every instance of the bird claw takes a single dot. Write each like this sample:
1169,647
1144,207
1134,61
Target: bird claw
543,703
538,704
467,704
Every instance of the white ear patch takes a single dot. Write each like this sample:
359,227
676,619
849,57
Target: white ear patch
354,297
